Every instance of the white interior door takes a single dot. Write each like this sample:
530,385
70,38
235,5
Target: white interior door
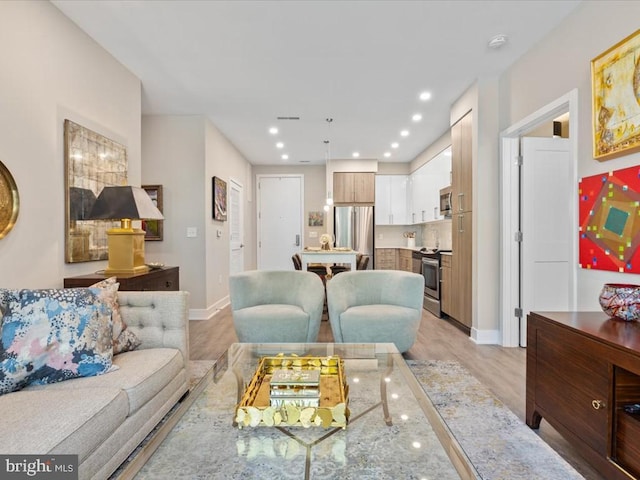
280,213
236,223
547,197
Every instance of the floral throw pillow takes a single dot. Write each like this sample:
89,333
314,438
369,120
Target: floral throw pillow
124,340
53,335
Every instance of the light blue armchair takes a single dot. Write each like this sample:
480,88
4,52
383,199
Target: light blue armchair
276,306
376,306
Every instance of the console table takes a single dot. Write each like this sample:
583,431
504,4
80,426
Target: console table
166,278
582,369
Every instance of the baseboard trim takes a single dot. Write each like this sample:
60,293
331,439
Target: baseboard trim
485,337
210,312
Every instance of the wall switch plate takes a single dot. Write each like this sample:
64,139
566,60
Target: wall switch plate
380,236
219,233
192,232
313,234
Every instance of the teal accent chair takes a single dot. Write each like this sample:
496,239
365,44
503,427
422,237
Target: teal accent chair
276,306
376,306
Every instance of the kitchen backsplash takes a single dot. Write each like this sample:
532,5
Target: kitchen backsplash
426,235
437,234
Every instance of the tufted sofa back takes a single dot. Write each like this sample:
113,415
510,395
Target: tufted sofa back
158,318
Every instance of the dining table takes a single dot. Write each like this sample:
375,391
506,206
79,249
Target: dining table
332,256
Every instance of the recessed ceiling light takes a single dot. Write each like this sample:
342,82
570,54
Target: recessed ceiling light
387,154
273,130
424,96
416,117
279,145
355,154
395,145
285,157
404,133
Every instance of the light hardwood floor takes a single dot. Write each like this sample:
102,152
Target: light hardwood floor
502,370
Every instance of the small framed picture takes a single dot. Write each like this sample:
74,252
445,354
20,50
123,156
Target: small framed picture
316,219
219,199
153,228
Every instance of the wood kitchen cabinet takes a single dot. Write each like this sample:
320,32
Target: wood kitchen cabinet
354,188
462,165
462,222
582,369
386,259
405,260
445,284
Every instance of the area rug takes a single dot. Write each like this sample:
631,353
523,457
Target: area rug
498,443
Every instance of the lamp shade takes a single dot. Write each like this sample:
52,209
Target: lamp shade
116,203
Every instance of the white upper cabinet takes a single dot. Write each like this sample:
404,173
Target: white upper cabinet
426,183
391,199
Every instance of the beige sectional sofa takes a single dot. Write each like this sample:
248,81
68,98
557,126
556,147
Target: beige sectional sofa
104,418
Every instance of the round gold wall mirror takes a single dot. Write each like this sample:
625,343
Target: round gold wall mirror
9,201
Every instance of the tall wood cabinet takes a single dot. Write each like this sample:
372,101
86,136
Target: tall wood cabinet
583,368
462,220
354,188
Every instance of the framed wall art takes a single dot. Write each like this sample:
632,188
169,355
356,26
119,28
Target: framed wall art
153,228
219,187
92,162
615,79
316,219
609,208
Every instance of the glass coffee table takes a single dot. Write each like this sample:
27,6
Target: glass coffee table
394,430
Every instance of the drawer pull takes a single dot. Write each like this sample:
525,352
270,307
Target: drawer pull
597,404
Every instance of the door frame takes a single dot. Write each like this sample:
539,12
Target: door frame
510,205
240,212
260,176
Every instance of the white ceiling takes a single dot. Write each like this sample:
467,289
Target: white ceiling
362,63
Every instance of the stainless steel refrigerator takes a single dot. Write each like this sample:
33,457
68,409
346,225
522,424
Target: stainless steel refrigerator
353,228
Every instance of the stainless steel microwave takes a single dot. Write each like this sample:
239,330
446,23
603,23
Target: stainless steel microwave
445,202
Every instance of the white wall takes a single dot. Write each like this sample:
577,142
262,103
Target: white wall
183,153
50,71
558,64
173,152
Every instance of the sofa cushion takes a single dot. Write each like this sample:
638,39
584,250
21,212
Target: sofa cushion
124,340
79,423
140,374
291,321
53,335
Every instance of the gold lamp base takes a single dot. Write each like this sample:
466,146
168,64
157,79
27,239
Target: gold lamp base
126,251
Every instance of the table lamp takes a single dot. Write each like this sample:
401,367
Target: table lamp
125,244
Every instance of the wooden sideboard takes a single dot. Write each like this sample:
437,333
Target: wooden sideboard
582,369
166,278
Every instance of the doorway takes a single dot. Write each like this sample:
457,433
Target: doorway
516,271
280,203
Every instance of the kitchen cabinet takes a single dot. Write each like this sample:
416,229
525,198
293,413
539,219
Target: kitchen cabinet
582,369
461,265
461,164
425,185
405,261
445,283
462,221
385,259
354,188
391,199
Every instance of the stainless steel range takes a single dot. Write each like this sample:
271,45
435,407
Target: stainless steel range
431,273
